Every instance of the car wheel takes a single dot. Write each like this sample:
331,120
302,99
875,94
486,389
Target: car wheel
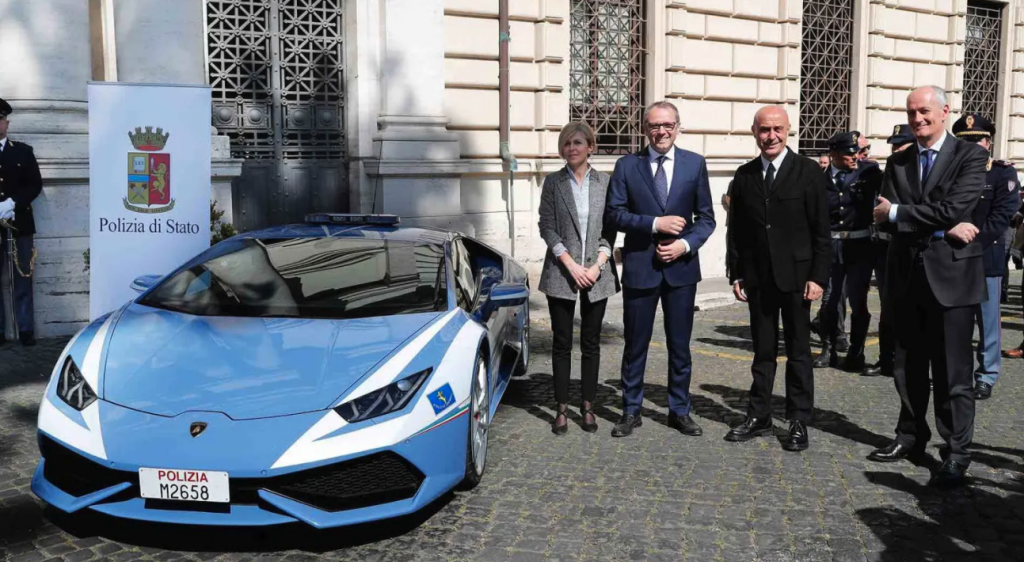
524,344
479,424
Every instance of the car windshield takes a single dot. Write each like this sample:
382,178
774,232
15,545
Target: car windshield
335,278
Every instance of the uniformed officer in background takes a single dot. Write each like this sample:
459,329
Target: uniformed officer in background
902,137
999,201
20,184
853,188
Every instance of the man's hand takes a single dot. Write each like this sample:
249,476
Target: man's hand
669,252
964,232
671,224
881,212
812,291
738,292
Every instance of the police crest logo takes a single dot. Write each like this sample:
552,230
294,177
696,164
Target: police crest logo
970,122
149,172
895,130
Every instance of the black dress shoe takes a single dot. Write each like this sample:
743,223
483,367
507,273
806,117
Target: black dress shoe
950,475
842,343
854,363
750,428
685,425
982,391
827,357
626,425
797,439
28,339
872,370
893,452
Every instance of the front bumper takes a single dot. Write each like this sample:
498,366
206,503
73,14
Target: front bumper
374,485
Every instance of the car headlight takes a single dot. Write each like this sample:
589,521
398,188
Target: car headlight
73,388
391,398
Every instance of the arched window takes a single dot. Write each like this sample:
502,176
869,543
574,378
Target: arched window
606,72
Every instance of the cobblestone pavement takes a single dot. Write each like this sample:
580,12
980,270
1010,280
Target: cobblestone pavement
654,496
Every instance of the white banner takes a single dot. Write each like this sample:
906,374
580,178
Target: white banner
149,184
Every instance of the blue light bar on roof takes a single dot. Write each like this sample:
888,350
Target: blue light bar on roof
345,218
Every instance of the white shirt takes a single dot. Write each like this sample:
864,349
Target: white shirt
777,162
920,150
3,144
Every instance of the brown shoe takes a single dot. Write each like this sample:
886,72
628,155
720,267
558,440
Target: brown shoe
1015,353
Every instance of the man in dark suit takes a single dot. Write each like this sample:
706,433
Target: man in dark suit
661,199
997,205
936,280
20,184
779,256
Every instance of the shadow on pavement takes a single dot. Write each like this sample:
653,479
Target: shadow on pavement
967,524
196,538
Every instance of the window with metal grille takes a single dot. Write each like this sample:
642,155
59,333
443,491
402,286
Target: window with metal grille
606,71
826,69
981,58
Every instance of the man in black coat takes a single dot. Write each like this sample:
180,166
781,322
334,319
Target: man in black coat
779,255
991,217
853,186
20,184
935,280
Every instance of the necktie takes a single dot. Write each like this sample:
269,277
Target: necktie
769,178
661,182
926,165
840,178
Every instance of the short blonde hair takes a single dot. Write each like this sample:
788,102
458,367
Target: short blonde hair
571,129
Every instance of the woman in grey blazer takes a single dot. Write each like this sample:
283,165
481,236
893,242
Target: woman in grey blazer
571,223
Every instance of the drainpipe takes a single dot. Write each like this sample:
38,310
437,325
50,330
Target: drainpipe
504,95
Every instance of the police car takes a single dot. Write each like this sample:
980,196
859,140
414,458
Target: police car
338,371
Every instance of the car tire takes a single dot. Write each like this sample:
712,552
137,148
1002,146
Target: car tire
479,425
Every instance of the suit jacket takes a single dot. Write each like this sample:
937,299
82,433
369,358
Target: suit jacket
998,203
780,237
20,180
633,205
560,224
954,271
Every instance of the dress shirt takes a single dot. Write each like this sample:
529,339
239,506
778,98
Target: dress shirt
920,150
669,166
3,144
581,194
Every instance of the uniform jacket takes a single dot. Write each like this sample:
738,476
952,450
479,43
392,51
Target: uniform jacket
850,206
20,180
955,272
996,206
633,205
560,224
780,237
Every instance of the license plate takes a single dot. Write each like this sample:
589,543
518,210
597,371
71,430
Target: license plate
184,485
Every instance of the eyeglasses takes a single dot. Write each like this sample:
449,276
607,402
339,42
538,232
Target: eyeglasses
864,149
654,127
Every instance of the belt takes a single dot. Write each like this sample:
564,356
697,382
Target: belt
884,236
851,234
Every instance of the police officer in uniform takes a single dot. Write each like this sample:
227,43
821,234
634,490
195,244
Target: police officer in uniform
902,137
20,184
999,201
853,188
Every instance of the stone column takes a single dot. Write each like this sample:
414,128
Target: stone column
47,64
413,139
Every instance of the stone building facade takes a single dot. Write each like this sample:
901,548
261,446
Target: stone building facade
401,115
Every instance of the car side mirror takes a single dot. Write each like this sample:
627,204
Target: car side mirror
143,283
502,295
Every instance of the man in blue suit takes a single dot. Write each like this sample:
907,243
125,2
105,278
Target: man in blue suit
661,199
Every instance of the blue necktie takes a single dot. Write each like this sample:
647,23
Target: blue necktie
661,182
926,165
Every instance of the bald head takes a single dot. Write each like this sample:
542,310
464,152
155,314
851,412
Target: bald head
771,128
927,112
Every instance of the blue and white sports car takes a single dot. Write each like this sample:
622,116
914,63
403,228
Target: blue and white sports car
334,372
